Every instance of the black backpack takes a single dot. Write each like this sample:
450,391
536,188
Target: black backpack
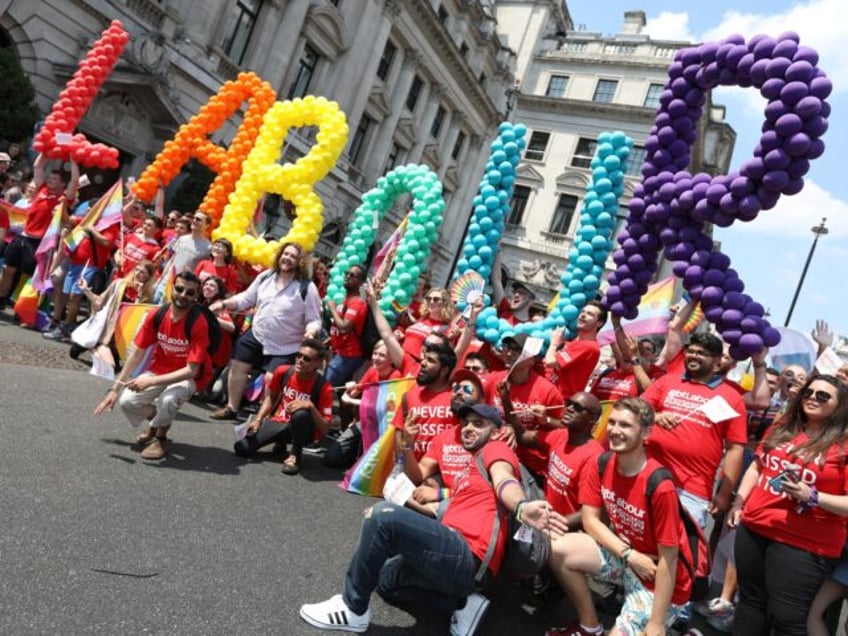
315,395
370,336
699,568
215,334
521,558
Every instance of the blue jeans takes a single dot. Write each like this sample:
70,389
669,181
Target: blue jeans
341,370
409,559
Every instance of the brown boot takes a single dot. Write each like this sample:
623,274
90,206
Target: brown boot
156,449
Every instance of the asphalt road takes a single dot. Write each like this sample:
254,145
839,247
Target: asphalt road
94,540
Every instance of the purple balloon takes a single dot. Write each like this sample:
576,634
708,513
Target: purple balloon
800,71
771,88
797,145
775,180
777,159
771,337
694,274
714,277
752,324
731,336
679,268
816,126
806,54
734,300
794,92
731,317
754,309
808,107
751,343
789,124
712,296
713,314
821,87
785,49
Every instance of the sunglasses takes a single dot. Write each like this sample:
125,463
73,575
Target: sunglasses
304,357
179,289
465,388
575,406
822,397
435,299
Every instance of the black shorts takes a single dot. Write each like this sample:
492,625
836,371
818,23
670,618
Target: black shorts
250,351
21,254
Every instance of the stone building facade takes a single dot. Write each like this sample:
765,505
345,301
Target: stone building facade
421,81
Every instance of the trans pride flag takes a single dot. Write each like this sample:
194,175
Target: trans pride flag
376,412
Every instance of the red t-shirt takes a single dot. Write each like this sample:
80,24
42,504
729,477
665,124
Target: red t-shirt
137,249
505,312
226,272
614,385
566,469
98,257
536,390
349,345
222,355
413,337
4,219
371,376
297,389
173,350
774,514
446,448
40,212
642,525
434,412
693,449
576,360
473,505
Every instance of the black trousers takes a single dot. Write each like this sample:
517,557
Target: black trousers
297,431
777,585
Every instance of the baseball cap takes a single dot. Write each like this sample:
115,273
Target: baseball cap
464,374
515,340
486,411
5,157
517,285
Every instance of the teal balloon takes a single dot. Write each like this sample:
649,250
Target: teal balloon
519,130
584,248
603,185
492,321
491,336
591,282
486,224
578,299
492,202
570,312
475,262
604,219
584,262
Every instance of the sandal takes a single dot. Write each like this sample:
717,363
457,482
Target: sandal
290,466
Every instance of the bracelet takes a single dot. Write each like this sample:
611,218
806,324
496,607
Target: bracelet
519,510
626,554
407,448
506,482
760,365
444,493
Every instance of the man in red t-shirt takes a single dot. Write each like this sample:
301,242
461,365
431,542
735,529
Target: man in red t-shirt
138,246
536,402
51,189
346,328
425,410
644,546
691,443
290,412
393,539
571,363
179,366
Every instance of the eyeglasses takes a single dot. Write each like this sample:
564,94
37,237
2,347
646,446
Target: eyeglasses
699,353
576,406
822,397
304,357
465,388
435,299
353,274
184,291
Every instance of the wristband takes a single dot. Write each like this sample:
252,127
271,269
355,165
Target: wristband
504,484
444,493
760,365
626,554
519,510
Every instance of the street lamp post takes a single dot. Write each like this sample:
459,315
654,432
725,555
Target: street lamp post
819,230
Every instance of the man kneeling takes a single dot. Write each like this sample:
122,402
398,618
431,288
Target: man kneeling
644,549
393,539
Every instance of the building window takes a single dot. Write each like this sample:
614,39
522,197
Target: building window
563,214
482,79
359,138
635,161
414,93
517,205
305,71
652,99
584,152
437,121
556,86
537,145
463,50
394,158
442,14
386,60
457,146
605,91
246,12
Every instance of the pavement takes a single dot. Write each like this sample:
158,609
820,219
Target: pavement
95,540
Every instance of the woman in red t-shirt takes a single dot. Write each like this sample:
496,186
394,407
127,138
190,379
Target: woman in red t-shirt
220,264
437,310
791,509
213,289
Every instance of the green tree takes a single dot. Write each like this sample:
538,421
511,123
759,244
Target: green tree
18,112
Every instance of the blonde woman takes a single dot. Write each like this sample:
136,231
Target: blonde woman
437,311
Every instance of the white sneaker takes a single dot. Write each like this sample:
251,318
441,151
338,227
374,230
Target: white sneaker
465,621
334,614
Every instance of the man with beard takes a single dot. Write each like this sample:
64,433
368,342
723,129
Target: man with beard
571,363
570,451
426,408
689,443
393,539
346,328
446,458
179,366
295,403
287,310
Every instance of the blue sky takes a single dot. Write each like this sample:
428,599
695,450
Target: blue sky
769,253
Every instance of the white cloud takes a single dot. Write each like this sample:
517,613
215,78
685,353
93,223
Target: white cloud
794,216
670,25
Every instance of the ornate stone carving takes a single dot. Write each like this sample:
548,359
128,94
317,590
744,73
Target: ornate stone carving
540,272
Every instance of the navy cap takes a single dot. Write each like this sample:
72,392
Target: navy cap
486,411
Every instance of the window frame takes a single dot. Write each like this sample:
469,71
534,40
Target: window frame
543,152
554,224
302,68
551,79
602,92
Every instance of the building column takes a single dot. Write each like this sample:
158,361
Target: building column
457,122
435,97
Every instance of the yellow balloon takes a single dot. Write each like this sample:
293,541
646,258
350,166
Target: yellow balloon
294,182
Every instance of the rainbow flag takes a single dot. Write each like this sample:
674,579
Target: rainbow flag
390,245
376,412
130,318
654,313
46,251
97,215
600,430
17,216
28,302
694,320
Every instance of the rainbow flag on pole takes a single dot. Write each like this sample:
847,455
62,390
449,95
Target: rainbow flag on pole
654,313
17,216
46,251
600,430
129,320
376,412
105,212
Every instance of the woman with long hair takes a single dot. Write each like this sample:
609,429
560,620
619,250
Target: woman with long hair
437,311
136,287
220,264
212,289
790,511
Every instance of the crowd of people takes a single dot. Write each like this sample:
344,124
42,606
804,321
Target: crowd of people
683,443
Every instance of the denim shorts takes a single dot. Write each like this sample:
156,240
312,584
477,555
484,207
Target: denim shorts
72,276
